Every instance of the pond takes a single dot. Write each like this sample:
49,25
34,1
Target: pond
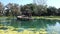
41,25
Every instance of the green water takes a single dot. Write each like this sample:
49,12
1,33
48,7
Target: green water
49,25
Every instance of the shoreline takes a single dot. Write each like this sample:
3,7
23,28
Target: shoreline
36,17
48,17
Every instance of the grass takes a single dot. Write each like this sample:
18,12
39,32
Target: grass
35,17
10,30
47,17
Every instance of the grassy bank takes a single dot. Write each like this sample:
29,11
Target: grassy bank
7,17
36,17
47,17
12,30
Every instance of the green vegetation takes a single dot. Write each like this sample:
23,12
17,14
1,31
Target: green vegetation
9,25
34,17
47,17
13,9
11,30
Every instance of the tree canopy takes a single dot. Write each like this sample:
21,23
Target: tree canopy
13,9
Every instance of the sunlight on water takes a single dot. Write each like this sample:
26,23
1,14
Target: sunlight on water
54,29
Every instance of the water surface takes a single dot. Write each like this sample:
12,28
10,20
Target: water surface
51,26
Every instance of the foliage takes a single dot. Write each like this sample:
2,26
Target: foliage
13,9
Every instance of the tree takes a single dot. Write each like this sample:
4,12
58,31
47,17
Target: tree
27,9
51,10
34,9
58,11
1,9
8,10
13,9
40,7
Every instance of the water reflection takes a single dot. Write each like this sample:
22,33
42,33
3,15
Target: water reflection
54,29
51,26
